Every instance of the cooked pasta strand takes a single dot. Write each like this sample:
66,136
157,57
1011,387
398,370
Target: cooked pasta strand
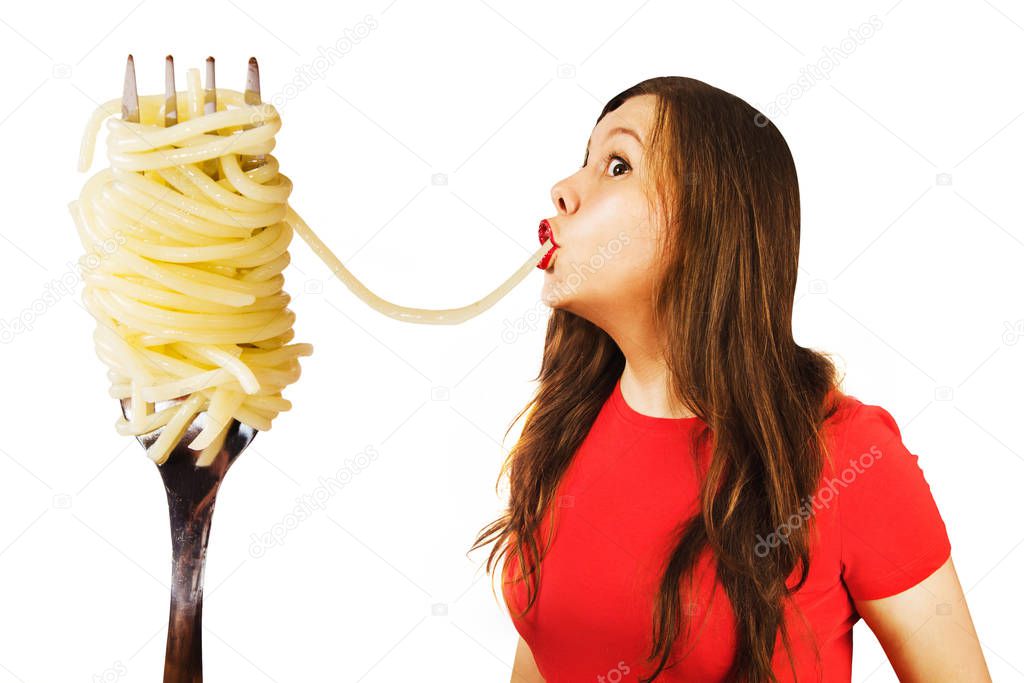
183,269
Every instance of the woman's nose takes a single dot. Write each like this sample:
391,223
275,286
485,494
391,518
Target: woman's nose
564,198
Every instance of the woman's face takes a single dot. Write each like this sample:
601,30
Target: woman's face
606,227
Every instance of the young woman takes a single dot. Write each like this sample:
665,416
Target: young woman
692,497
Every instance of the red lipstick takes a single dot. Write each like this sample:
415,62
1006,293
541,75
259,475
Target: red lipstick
544,234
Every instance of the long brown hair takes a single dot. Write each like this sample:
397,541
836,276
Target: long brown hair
723,303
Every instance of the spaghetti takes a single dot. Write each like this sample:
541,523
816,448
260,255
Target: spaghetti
190,307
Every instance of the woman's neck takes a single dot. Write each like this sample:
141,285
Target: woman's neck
646,386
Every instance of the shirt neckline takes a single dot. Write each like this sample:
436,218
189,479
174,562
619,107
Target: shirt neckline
629,414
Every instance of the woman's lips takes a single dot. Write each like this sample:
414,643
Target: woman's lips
544,234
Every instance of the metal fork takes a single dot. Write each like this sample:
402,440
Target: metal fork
191,490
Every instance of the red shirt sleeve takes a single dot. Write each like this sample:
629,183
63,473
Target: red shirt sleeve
891,533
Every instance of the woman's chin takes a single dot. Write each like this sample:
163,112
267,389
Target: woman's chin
552,293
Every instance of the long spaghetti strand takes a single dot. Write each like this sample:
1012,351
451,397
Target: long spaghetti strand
183,267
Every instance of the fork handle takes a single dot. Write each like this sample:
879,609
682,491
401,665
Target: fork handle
190,531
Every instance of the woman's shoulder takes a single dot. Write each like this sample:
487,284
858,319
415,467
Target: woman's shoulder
877,472
892,532
854,422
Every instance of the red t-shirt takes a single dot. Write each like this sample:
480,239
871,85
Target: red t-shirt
633,480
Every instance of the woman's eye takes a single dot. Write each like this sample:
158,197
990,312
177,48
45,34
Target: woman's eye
621,163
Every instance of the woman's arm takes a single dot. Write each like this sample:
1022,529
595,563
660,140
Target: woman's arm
927,632
524,669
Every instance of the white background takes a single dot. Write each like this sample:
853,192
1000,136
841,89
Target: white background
914,283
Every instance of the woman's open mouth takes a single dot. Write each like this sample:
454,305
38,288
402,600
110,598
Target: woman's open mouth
544,234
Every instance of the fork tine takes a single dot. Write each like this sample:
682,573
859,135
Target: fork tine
211,166
252,82
210,96
130,96
170,94
252,97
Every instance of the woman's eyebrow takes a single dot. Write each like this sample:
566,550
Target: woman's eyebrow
615,131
